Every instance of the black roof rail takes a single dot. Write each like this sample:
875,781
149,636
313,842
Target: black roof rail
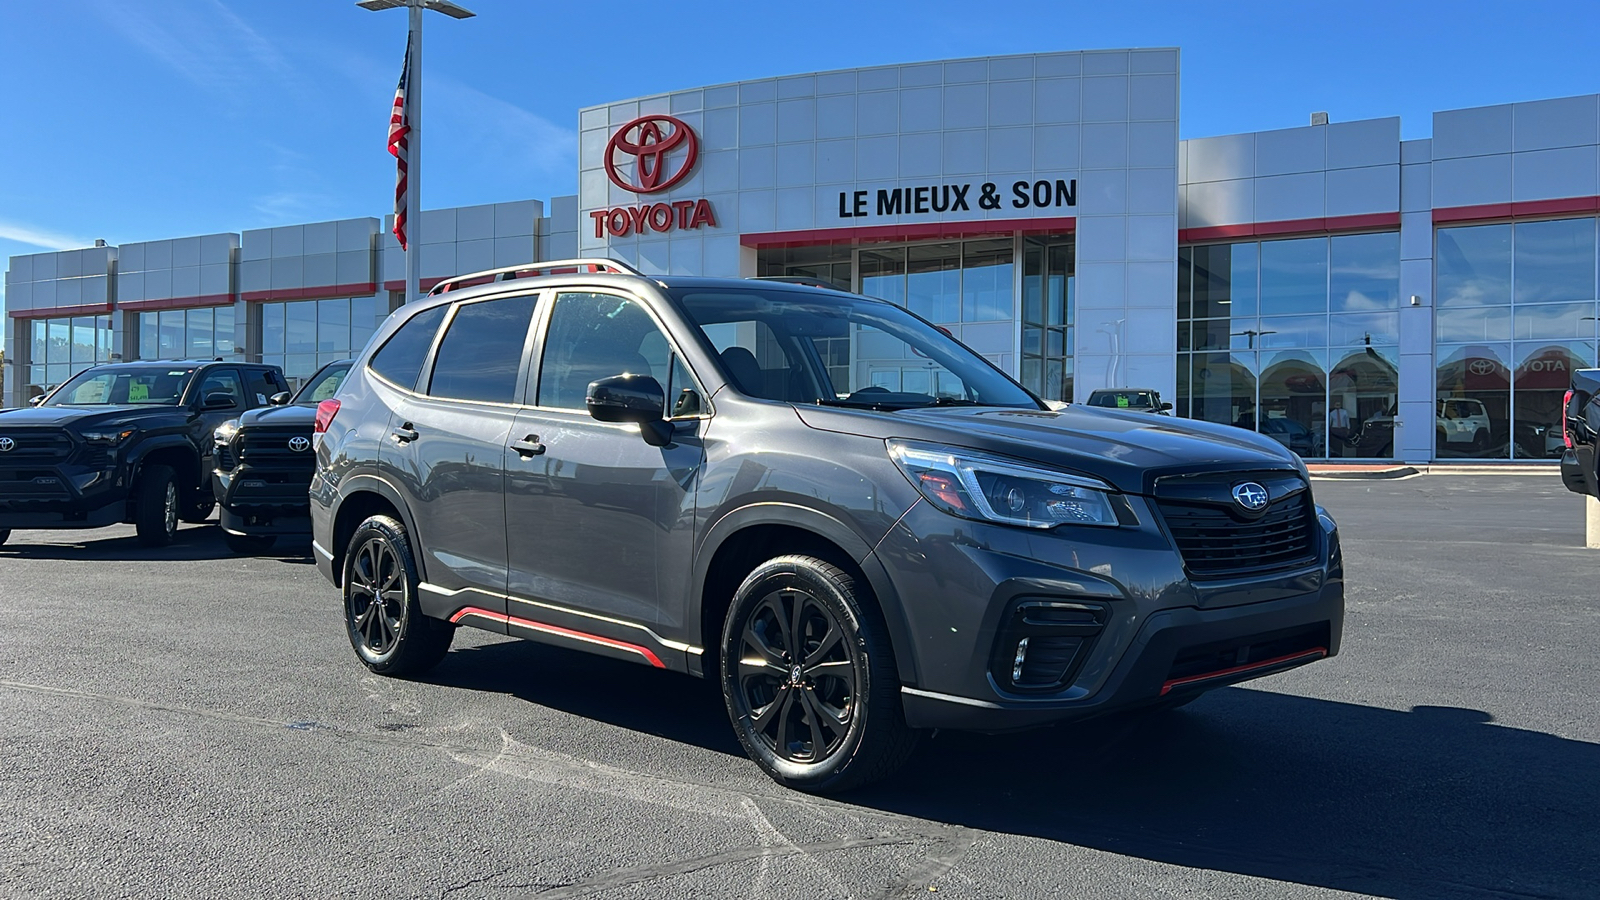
534,269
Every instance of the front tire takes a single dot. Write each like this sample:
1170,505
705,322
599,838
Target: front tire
248,544
809,678
387,628
155,512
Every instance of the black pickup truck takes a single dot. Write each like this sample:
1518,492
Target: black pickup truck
264,462
1581,422
128,442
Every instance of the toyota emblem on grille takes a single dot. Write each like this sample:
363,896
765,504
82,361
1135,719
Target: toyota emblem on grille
299,443
1250,495
7,445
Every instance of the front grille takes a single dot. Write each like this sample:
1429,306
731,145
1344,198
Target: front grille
33,447
1196,663
262,449
1217,542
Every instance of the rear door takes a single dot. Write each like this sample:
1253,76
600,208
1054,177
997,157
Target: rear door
447,442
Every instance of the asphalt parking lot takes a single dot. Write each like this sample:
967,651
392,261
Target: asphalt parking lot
191,723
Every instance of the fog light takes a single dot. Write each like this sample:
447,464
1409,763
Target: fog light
1016,664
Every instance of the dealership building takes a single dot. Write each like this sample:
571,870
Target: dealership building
1349,293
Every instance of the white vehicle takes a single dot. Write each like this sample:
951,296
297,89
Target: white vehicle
1462,420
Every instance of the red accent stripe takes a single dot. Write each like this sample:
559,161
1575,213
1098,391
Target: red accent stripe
1326,225
920,231
88,309
322,292
423,284
504,619
1305,655
177,302
1522,209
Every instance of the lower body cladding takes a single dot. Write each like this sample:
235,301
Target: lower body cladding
1014,628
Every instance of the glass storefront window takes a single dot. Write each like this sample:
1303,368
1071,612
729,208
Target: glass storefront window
56,349
1539,381
883,274
1282,310
1472,418
301,336
986,290
1472,323
1294,276
1473,265
933,281
1554,260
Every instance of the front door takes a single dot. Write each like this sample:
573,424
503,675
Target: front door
601,523
448,442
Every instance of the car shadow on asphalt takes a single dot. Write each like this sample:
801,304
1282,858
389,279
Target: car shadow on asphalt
192,544
1430,802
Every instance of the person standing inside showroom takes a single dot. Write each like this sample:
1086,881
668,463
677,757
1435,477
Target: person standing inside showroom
1338,428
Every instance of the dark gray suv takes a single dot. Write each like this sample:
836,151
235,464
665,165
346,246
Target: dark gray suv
861,528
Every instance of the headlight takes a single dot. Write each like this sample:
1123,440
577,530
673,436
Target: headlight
109,438
975,486
225,432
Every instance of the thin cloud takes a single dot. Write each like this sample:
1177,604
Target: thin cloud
500,131
203,41
39,237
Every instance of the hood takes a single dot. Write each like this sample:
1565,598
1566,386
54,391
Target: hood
290,416
1128,449
81,416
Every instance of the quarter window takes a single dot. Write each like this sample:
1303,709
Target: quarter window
481,354
400,359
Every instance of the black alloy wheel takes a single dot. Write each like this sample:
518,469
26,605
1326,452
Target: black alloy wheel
388,630
809,678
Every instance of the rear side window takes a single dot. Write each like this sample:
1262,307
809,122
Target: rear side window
481,354
400,359
263,383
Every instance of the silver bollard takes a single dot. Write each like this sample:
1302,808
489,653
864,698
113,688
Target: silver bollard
1591,531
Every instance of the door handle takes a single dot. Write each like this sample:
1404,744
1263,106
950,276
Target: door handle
528,447
404,434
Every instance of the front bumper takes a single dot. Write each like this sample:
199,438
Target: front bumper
1125,621
53,496
261,504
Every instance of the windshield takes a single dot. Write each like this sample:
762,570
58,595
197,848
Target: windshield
140,385
1122,399
324,384
842,350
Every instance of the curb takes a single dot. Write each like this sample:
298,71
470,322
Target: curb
1372,474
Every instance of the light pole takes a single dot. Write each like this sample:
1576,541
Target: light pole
413,113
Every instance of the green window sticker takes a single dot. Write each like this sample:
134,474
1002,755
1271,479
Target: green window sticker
138,392
1122,401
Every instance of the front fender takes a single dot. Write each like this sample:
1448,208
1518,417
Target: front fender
817,522
370,483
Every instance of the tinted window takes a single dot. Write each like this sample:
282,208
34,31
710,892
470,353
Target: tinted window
261,384
481,353
400,359
323,385
594,336
222,381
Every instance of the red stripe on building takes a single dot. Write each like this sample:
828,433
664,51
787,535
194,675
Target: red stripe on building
423,284
1286,227
88,309
920,231
324,292
177,302
1522,209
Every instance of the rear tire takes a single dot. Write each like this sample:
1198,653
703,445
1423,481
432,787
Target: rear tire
155,510
809,678
386,626
248,544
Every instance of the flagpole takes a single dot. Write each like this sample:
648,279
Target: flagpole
414,158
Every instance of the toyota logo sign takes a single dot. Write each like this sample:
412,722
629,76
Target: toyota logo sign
7,445
664,150
1481,366
299,443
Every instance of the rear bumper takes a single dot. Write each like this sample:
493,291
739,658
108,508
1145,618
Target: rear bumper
1147,673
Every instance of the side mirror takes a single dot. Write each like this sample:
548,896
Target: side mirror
35,401
632,398
217,400
281,398
1166,405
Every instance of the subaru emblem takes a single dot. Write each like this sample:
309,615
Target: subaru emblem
1250,495
299,443
7,445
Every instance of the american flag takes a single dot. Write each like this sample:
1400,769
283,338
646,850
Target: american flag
399,148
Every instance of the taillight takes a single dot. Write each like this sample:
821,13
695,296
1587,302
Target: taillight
1566,438
326,410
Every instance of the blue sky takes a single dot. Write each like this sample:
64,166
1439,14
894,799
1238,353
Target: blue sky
134,120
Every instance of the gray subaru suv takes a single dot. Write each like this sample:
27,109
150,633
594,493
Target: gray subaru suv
862,529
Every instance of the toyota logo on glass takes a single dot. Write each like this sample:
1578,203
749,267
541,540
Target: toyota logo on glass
663,151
